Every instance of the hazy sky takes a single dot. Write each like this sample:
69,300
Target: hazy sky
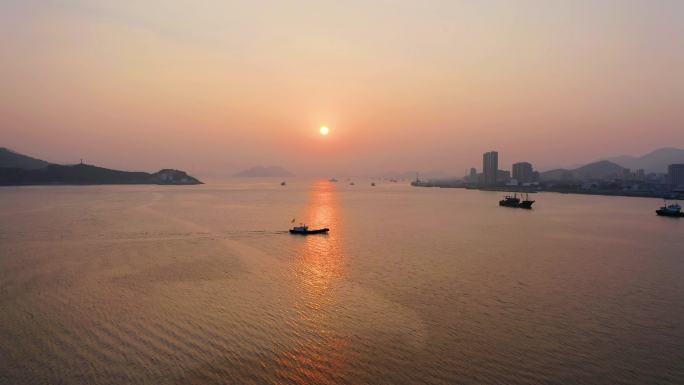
216,86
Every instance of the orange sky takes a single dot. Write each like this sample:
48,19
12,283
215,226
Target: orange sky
212,87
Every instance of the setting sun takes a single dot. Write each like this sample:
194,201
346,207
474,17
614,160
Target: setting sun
324,130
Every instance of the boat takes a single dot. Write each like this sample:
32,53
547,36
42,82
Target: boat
283,183
514,201
332,180
671,210
373,184
304,230
351,183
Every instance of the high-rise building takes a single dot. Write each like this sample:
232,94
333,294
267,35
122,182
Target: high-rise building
675,174
490,167
523,172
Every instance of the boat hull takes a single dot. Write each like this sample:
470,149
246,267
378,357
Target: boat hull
310,232
519,205
665,213
508,204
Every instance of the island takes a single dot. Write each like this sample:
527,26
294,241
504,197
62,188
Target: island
15,170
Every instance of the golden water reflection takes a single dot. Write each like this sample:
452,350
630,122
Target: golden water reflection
319,357
321,257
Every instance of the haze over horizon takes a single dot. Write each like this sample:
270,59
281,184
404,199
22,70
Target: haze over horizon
214,88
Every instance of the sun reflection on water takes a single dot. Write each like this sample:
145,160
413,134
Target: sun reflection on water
320,355
320,259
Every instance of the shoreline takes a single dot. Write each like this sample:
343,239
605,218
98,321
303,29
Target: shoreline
513,189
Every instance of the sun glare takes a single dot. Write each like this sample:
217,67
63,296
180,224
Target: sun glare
324,130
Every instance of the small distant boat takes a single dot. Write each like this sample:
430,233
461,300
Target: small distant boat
304,230
283,183
514,201
373,184
332,180
351,183
671,210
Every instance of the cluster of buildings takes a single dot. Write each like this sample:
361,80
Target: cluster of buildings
639,183
602,177
523,173
589,179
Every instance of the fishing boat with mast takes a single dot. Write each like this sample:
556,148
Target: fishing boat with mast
514,201
670,210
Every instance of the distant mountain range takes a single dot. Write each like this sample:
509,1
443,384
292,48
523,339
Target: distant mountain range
263,172
654,161
602,169
18,169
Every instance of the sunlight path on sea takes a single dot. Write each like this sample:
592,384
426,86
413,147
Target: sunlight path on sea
323,311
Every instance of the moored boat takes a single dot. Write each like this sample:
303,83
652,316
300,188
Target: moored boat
514,201
671,210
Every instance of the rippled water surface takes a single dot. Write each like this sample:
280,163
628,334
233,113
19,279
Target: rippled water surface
203,285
